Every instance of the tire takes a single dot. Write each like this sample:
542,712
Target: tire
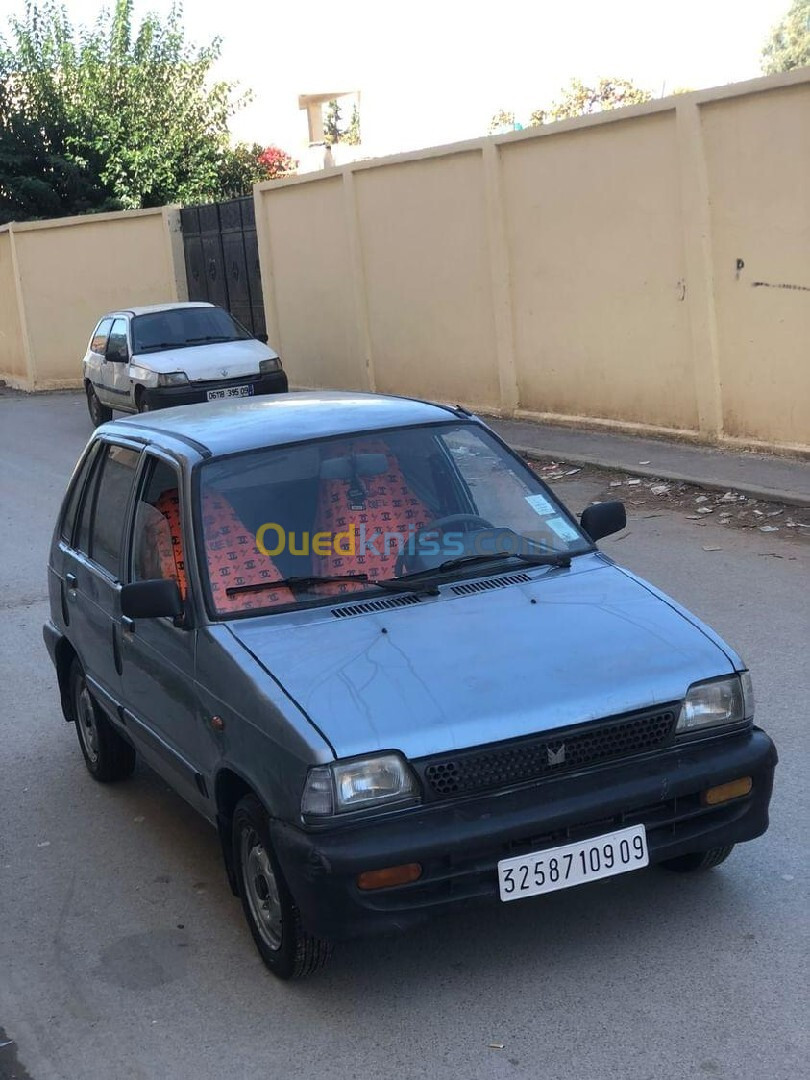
141,404
99,413
107,755
285,947
698,860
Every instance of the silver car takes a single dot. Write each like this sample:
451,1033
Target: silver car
376,652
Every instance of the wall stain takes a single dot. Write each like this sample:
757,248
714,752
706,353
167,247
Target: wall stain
778,285
10,1067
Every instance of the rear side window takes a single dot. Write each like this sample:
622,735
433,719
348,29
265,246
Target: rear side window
75,493
103,513
99,342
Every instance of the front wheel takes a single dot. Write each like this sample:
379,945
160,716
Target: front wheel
99,413
698,860
106,754
141,404
286,948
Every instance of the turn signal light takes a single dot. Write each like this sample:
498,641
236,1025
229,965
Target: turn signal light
734,789
391,875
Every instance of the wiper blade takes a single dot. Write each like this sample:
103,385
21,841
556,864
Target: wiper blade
209,337
307,582
550,559
162,345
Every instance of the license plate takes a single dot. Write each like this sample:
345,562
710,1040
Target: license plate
573,864
246,390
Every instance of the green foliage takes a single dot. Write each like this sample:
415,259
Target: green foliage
246,164
352,136
38,177
788,46
580,100
130,110
332,131
501,120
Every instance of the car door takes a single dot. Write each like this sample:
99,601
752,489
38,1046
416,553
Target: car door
97,355
92,569
115,370
158,655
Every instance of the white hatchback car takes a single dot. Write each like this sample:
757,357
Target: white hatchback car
145,358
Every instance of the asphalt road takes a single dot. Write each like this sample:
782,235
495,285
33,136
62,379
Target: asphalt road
123,954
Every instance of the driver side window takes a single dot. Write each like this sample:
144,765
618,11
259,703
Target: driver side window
157,538
117,348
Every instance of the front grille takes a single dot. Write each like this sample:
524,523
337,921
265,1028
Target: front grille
553,753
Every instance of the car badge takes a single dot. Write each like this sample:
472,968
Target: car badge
556,757
223,372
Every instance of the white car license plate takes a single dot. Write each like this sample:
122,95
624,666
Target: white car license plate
573,864
246,390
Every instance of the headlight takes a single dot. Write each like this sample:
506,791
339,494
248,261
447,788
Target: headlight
266,367
720,701
353,785
172,378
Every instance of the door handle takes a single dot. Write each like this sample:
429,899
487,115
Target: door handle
127,624
71,581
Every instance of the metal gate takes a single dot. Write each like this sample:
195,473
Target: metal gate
222,259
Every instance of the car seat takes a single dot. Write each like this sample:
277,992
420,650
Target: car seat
383,504
233,558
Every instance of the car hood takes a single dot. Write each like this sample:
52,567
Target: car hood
456,671
206,362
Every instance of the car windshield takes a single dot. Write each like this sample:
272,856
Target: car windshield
178,328
395,510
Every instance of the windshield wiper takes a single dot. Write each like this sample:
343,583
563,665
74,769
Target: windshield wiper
556,559
210,337
161,345
307,582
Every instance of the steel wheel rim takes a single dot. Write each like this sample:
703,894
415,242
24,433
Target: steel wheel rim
87,726
261,889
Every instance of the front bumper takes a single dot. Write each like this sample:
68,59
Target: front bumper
459,844
164,397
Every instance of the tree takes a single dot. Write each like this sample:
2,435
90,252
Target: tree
38,178
246,164
502,120
352,136
135,106
332,131
788,46
581,100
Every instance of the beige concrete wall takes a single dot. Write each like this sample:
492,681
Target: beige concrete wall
13,350
598,271
758,160
582,271
306,274
71,270
430,307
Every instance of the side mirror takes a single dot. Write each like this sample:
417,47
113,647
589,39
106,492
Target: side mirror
263,338
155,599
117,355
603,519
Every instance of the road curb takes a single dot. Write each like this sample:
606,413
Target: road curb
791,498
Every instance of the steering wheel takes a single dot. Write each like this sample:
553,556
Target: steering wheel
472,521
466,523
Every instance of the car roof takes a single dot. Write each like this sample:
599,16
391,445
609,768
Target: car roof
227,427
151,309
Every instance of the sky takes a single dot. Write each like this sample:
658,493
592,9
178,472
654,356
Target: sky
433,71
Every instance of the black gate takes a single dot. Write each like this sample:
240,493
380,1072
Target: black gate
222,259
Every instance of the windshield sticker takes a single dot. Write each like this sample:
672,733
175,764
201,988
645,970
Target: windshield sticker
540,504
564,529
